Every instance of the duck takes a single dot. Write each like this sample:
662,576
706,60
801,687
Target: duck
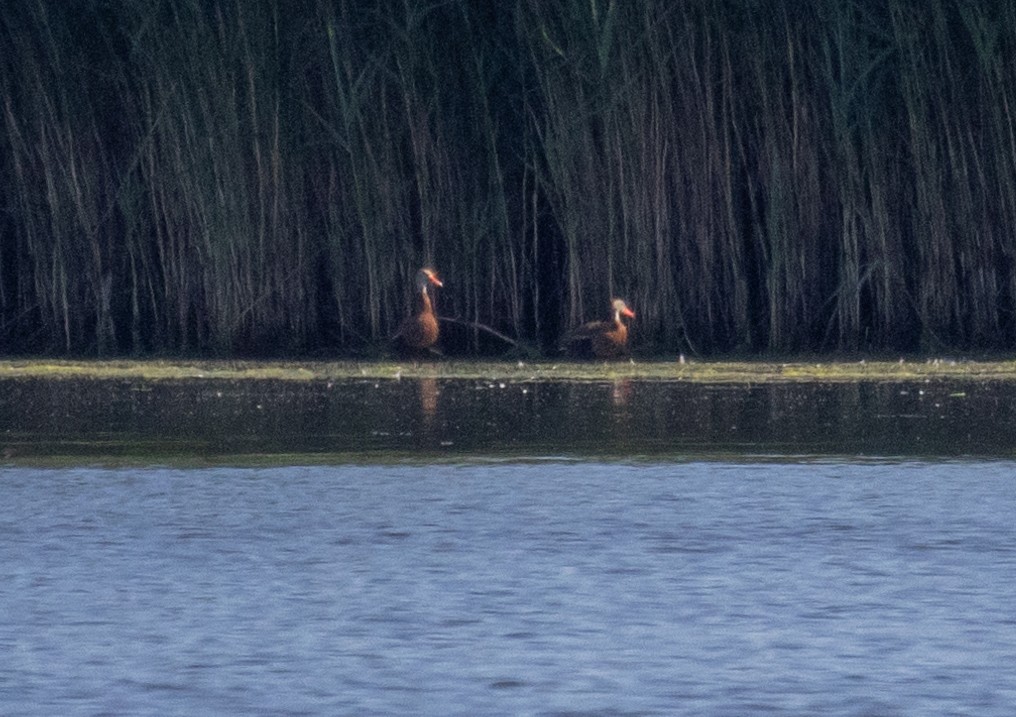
602,339
419,332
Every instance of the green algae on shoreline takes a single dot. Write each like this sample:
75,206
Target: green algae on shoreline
690,371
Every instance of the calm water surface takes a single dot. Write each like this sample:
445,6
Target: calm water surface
518,588
142,421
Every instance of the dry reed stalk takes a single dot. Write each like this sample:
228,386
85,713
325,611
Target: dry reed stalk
263,178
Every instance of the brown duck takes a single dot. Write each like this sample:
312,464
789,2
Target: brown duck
419,332
602,339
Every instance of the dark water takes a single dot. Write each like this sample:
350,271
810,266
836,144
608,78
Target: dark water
220,420
516,588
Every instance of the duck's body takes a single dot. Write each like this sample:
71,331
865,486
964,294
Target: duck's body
602,339
419,332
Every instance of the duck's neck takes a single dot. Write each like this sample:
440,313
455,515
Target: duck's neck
423,305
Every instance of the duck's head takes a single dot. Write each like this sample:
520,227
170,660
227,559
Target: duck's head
426,277
621,308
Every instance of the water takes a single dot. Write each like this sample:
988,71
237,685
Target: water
506,548
721,587
253,421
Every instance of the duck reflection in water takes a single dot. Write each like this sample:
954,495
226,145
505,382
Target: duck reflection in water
620,392
427,391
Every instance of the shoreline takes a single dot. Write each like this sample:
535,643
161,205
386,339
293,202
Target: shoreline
705,371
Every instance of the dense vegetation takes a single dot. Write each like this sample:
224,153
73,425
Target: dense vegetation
265,176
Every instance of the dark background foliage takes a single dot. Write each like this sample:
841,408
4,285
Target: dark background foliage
264,177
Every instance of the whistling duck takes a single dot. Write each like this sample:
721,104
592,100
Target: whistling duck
602,339
419,332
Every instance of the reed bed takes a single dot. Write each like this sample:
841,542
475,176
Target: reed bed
264,178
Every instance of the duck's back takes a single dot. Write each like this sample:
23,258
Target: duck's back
598,339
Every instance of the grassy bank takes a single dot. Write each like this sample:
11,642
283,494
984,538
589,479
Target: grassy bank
716,372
